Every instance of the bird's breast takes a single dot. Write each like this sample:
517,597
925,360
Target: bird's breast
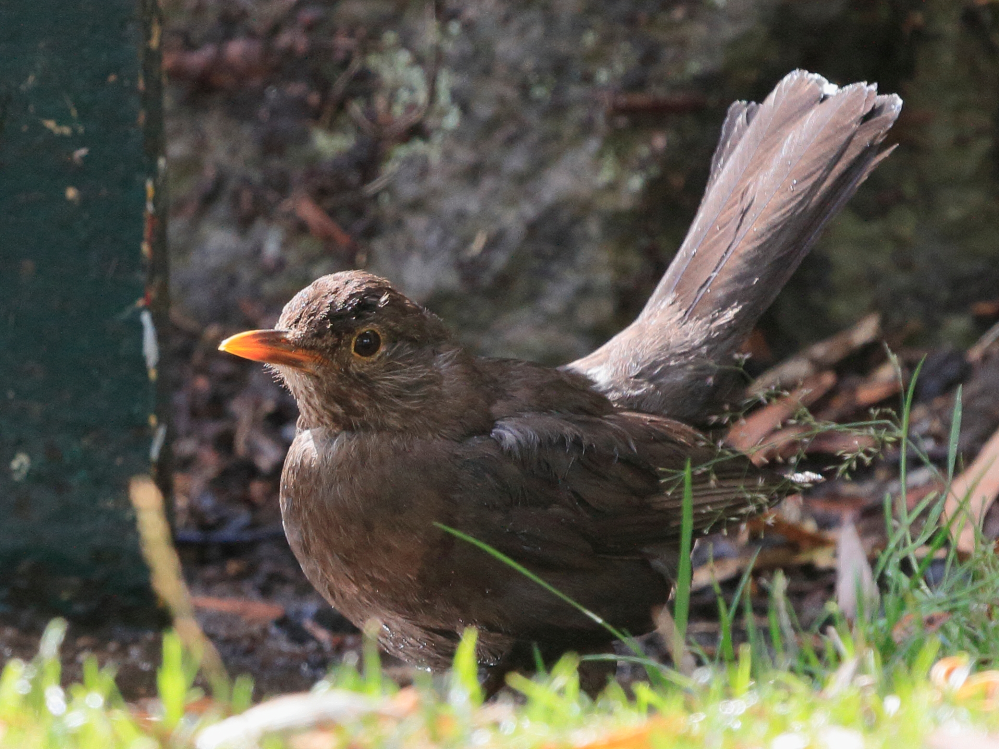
359,518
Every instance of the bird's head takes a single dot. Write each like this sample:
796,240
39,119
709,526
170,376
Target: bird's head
359,355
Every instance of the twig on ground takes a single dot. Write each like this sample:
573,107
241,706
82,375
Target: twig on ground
320,224
253,611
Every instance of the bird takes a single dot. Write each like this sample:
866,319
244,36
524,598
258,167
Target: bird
406,439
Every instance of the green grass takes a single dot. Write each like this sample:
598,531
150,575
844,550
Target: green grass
838,683
858,702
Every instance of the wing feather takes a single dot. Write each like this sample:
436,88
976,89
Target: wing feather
617,481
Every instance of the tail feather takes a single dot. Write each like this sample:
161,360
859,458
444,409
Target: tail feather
781,170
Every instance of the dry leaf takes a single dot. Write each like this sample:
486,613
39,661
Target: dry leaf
821,355
973,492
981,686
911,625
854,576
637,737
297,712
950,672
751,431
804,538
666,627
880,384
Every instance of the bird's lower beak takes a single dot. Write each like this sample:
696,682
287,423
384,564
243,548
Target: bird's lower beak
270,346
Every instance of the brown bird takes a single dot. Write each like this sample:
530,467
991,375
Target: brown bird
574,472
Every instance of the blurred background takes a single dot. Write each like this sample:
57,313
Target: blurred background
524,169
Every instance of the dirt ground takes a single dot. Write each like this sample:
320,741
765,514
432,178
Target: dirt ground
233,423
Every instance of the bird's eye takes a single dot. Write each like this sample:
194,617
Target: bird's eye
367,343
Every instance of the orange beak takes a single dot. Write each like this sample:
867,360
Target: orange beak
270,346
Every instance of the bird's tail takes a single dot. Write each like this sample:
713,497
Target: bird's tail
781,170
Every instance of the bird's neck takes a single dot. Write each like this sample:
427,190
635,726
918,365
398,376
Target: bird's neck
444,397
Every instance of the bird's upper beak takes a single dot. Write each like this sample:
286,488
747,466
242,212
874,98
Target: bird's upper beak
270,346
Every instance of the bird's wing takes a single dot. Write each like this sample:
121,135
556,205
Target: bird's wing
782,169
612,485
593,506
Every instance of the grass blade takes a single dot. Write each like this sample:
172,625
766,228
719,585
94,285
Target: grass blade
654,674
496,554
955,433
681,607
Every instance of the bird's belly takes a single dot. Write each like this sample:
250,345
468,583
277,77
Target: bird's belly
361,515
